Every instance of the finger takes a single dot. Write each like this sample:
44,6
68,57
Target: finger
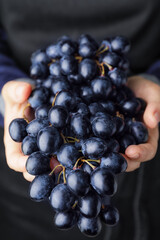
16,160
28,176
150,92
147,151
144,88
16,92
131,165
14,156
152,114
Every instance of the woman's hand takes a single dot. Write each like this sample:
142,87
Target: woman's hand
150,92
15,95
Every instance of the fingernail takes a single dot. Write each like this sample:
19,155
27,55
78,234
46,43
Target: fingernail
136,156
157,117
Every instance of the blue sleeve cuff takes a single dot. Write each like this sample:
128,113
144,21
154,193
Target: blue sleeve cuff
9,70
154,69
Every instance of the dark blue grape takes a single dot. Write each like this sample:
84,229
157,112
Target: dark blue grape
120,124
53,51
38,70
115,162
118,77
66,100
125,141
95,107
109,106
17,129
29,145
87,39
110,215
42,111
110,58
87,50
59,84
120,97
101,87
83,109
78,182
103,127
80,126
112,145
125,64
87,94
86,168
67,47
55,69
58,117
130,107
90,204
49,140
90,227
66,220
120,44
106,43
35,126
103,181
143,104
69,65
61,198
93,147
129,93
75,79
41,187
47,83
38,97
67,155
88,69
139,131
37,163
39,82
39,56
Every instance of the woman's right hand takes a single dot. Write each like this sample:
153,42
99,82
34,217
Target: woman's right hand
15,95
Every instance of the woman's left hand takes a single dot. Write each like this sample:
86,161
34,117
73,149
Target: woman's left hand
150,92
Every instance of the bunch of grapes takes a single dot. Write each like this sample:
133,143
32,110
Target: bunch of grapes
85,118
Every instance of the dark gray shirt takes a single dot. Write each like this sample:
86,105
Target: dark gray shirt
34,24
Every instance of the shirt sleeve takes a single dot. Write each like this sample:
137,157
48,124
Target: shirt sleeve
8,68
154,69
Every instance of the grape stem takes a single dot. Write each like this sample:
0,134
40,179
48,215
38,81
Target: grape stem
60,165
55,99
118,114
75,166
108,65
101,68
64,175
64,139
24,116
52,61
93,160
75,204
59,177
74,139
79,58
91,165
100,48
102,51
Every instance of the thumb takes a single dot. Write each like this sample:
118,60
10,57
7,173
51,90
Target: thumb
16,92
152,114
